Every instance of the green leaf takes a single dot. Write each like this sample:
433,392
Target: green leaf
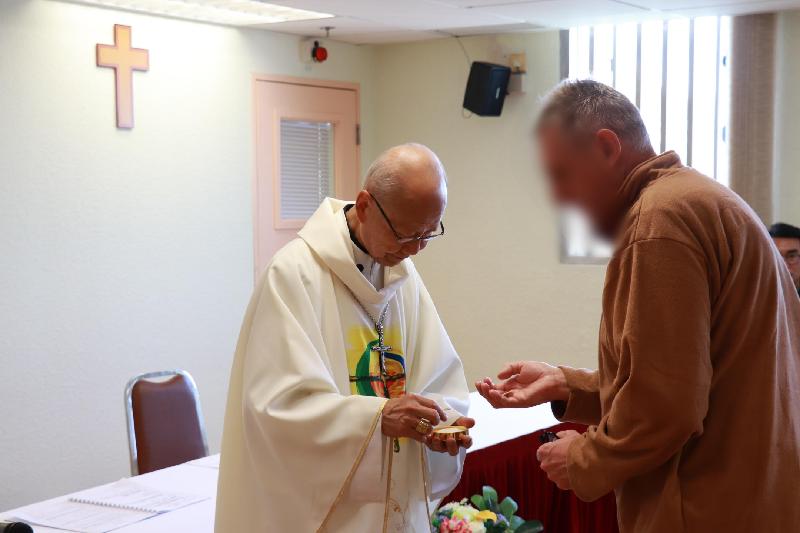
515,522
531,526
478,501
508,507
490,497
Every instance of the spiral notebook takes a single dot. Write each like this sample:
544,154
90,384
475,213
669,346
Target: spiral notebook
127,494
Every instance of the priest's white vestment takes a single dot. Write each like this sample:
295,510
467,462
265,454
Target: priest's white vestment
302,449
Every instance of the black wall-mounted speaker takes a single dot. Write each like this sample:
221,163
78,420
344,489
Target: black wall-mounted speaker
486,88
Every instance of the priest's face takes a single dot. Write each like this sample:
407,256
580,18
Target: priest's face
417,215
582,173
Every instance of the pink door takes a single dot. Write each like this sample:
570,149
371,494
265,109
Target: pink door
306,135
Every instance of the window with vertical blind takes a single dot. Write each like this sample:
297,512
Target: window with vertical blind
677,73
306,167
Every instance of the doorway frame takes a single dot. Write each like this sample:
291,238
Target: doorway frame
289,80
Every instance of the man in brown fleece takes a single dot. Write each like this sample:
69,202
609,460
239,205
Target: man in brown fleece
694,411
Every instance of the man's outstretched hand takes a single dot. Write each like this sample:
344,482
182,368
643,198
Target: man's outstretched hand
524,384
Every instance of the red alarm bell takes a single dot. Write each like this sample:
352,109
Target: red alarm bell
319,53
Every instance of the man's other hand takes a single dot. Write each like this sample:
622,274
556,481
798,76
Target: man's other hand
451,444
553,458
401,416
524,384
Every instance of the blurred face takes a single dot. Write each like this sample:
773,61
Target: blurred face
415,217
583,173
790,250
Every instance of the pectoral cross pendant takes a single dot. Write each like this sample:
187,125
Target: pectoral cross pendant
381,348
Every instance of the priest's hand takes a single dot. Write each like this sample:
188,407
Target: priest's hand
401,416
451,444
524,384
553,458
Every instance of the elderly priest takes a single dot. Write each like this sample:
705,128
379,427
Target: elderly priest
343,368
694,412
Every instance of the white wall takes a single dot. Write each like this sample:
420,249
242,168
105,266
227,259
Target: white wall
495,276
787,137
122,251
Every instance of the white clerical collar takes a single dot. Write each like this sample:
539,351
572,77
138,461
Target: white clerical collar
371,269
368,267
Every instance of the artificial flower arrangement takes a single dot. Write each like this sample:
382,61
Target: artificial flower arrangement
483,515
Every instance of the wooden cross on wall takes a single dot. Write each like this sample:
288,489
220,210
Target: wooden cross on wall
124,60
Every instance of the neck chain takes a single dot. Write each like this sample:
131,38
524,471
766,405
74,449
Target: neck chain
380,347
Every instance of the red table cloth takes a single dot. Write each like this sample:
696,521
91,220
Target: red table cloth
512,469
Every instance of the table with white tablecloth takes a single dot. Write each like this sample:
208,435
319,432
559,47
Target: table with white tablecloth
200,476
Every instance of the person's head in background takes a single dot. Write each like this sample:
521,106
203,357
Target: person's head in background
402,204
591,137
787,239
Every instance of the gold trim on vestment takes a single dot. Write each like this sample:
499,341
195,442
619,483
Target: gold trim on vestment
360,456
388,491
352,472
425,486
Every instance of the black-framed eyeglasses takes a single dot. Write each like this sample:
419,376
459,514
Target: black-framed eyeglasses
400,238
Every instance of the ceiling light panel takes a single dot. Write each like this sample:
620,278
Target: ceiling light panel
231,12
565,13
682,4
418,15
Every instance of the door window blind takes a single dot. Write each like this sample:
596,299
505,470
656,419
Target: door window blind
306,171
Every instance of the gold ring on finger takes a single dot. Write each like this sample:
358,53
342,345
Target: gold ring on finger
424,426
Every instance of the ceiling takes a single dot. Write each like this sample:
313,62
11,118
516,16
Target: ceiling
385,21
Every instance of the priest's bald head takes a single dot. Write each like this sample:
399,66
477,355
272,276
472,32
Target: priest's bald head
591,136
402,204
